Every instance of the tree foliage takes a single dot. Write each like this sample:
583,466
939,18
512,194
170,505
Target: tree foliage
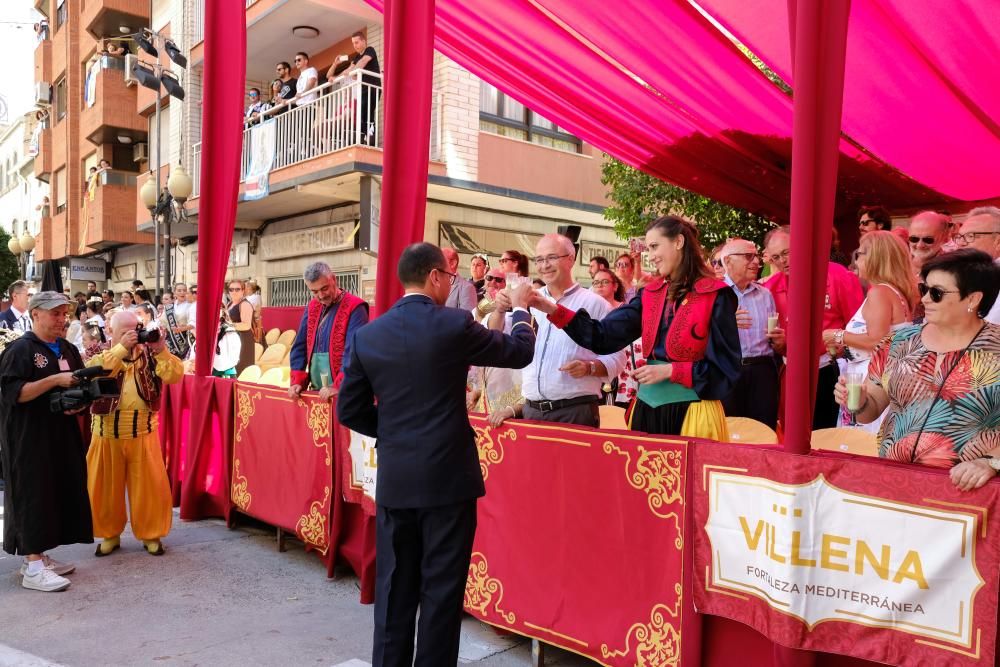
9,271
639,198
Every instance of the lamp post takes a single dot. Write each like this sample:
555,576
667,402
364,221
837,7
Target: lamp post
161,205
21,248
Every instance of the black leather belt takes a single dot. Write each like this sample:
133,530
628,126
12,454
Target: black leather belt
549,406
753,361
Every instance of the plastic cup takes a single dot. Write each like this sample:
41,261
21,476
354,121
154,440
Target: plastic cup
513,280
324,378
854,383
772,322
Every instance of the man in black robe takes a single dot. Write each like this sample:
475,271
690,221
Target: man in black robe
45,499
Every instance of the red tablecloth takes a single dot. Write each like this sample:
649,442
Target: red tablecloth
284,318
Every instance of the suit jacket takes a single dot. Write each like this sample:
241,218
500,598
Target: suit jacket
414,360
8,317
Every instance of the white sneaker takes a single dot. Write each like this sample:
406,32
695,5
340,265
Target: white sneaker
58,567
46,581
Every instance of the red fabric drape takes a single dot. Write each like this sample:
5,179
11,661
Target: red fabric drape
409,54
222,122
820,44
196,434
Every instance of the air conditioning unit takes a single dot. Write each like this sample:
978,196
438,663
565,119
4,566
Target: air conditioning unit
130,61
43,93
140,152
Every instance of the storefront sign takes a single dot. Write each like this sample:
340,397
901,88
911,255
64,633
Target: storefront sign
817,546
87,269
311,241
590,250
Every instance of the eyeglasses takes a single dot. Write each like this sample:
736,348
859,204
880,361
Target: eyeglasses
970,237
508,259
936,292
781,256
928,240
623,265
298,60
602,283
858,253
451,276
716,263
549,259
748,256
253,95
497,279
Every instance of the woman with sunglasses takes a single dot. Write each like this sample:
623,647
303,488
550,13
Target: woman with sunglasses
241,314
686,319
941,380
884,264
715,260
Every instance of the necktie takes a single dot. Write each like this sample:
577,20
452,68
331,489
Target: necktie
25,323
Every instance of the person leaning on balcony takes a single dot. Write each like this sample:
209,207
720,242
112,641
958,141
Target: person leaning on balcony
366,59
256,107
288,84
939,380
119,49
308,79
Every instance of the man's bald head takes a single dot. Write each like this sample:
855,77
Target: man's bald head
123,321
451,257
928,232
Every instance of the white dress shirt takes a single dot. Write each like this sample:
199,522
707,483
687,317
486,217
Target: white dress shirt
994,314
541,379
23,321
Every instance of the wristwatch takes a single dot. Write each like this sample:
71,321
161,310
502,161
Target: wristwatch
593,368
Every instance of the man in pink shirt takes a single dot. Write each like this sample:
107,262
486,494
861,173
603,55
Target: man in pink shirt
843,298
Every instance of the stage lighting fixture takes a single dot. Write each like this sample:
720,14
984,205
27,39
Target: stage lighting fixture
175,53
143,40
146,76
172,85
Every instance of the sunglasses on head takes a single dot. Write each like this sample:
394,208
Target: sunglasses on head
936,292
928,240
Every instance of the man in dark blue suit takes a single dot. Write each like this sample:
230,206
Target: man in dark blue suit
414,360
17,317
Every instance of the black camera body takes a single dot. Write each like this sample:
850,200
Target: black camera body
91,387
148,335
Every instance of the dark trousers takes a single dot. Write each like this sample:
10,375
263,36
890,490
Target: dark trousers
755,394
826,410
369,113
582,414
421,560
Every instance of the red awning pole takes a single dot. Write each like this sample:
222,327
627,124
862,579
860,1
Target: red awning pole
819,39
409,70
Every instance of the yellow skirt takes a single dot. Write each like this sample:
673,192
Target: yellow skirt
706,419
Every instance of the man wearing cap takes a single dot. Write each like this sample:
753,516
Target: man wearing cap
45,499
125,445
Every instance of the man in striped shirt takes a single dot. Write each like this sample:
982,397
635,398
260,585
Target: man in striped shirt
755,394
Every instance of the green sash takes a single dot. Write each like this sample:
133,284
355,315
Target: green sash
661,393
319,365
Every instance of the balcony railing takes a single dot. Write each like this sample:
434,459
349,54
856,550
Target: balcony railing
347,113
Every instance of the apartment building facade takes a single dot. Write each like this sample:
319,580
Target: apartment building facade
499,175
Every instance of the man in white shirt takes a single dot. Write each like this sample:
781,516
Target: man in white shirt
17,317
981,230
308,79
563,381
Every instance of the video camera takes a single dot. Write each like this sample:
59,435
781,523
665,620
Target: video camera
91,386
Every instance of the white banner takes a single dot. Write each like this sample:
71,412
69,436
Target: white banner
818,553
364,464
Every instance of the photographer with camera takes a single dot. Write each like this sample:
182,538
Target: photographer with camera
45,499
125,446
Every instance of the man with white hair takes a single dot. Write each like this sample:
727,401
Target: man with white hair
325,333
928,233
125,449
755,394
981,230
563,381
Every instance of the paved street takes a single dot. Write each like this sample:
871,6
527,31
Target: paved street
218,597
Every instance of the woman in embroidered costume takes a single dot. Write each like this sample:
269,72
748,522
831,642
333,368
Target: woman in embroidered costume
686,319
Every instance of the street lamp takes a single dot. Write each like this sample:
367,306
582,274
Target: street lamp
21,248
161,209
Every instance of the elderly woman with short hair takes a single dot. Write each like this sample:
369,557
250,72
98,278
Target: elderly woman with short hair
941,380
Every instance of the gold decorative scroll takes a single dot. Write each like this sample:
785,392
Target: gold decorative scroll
311,528
658,474
657,643
490,450
244,410
480,589
319,422
241,496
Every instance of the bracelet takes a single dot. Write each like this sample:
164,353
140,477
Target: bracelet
838,337
593,368
513,412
